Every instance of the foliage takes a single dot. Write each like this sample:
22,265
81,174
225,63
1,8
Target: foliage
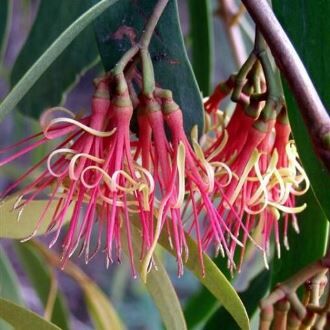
54,57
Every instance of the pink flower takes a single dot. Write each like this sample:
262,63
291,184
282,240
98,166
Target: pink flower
81,147
180,170
257,155
120,183
91,172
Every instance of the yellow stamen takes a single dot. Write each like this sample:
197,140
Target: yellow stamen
221,146
252,161
56,152
79,124
180,159
208,168
75,158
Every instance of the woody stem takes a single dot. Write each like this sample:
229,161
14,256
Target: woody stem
145,39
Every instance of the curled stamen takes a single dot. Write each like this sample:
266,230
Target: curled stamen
252,161
208,168
54,153
44,120
78,125
181,155
223,169
74,160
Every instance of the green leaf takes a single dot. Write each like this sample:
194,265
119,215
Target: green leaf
203,304
307,25
40,277
9,285
100,308
200,308
160,288
305,247
201,36
215,281
23,319
172,68
28,218
5,15
64,72
250,297
50,55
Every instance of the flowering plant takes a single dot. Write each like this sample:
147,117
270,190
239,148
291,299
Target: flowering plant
218,182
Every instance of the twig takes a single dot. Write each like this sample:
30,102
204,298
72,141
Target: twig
144,42
233,31
313,111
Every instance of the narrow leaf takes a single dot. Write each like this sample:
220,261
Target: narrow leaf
28,218
9,285
307,25
160,289
64,72
200,307
215,281
5,19
250,297
201,36
50,55
100,308
117,29
23,319
103,314
40,277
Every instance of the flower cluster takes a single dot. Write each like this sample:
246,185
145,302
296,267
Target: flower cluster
230,186
266,173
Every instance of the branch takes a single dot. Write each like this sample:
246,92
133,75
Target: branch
226,12
311,107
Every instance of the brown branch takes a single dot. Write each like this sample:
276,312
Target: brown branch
311,107
227,13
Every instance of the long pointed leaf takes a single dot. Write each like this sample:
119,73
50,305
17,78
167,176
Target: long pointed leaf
64,72
40,278
99,307
9,285
250,297
307,25
23,319
160,289
201,35
28,218
126,21
215,281
50,55
5,18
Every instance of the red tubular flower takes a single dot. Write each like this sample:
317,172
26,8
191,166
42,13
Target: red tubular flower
94,173
120,184
82,146
220,92
291,179
186,170
263,183
236,133
157,154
